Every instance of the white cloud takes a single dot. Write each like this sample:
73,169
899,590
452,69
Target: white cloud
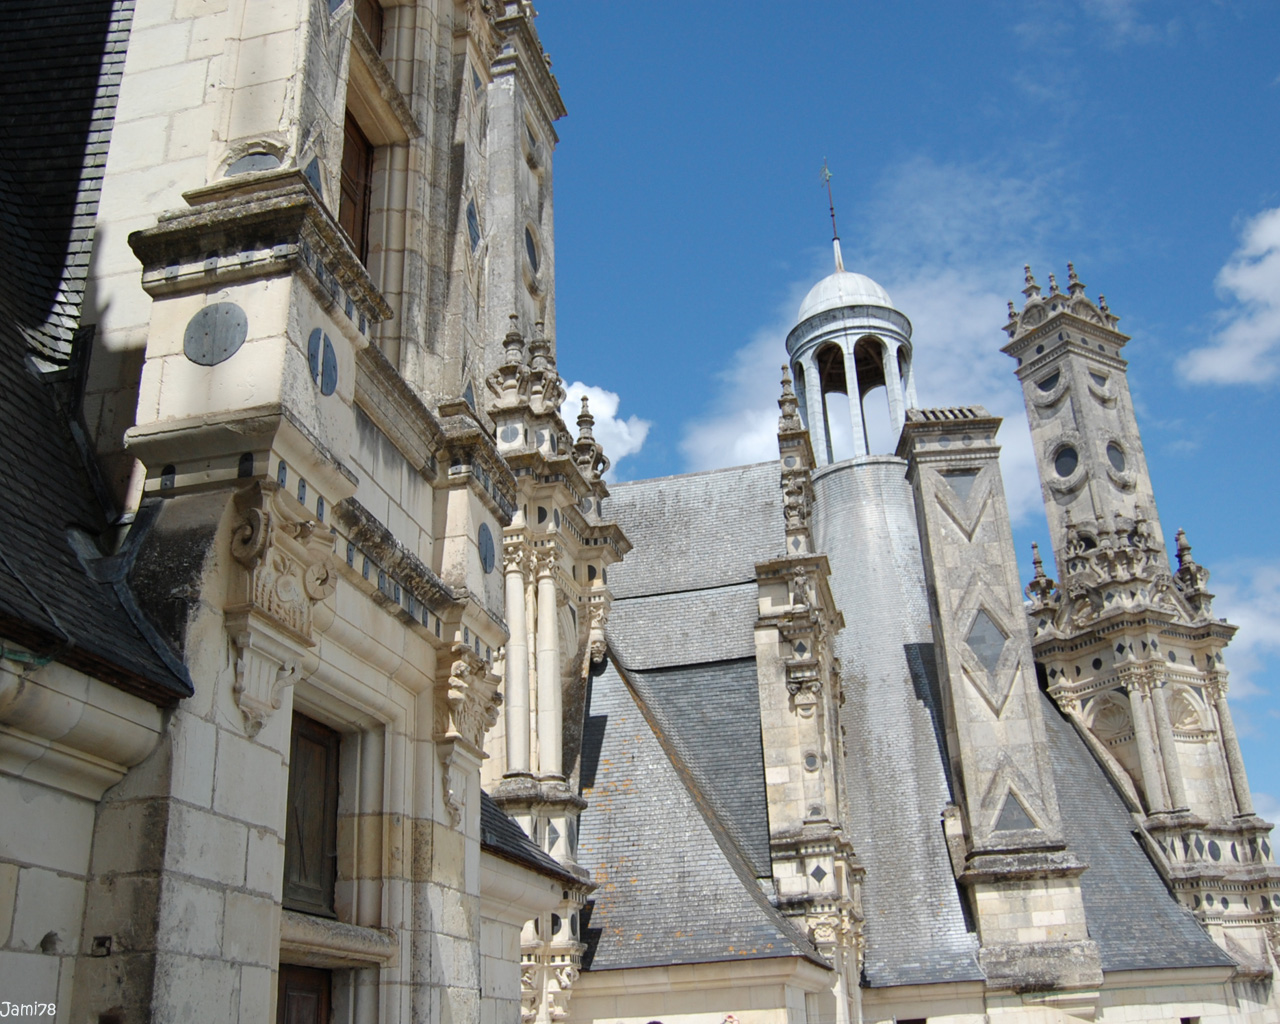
618,437
947,241
743,425
1246,347
1266,806
1249,597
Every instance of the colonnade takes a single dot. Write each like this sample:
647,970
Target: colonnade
894,357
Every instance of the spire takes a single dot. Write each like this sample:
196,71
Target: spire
831,203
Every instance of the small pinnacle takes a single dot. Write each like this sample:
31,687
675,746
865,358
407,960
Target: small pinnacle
1013,313
1031,287
1053,285
1074,284
1035,560
1184,548
786,380
1102,304
585,422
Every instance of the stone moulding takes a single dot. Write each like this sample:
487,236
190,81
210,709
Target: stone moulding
318,942
254,226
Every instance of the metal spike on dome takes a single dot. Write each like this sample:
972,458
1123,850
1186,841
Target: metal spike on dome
1031,289
1074,284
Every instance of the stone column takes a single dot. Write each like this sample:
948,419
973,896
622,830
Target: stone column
1168,752
893,385
855,402
815,411
909,385
1152,783
517,660
1231,746
549,697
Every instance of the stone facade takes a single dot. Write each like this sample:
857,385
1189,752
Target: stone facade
337,683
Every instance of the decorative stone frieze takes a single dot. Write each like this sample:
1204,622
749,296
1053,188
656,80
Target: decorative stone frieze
285,569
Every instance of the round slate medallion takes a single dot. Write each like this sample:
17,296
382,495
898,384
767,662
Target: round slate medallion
215,334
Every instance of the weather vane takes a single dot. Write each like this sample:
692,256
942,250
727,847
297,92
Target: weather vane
826,180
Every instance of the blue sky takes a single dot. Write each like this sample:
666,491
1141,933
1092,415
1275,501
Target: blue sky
1138,138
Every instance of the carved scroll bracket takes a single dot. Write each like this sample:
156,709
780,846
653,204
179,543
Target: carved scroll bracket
466,707
283,569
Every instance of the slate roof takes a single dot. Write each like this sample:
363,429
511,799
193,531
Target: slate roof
666,630
673,885
677,804
1132,916
500,835
57,595
915,920
696,531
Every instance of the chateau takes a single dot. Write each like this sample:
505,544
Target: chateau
338,684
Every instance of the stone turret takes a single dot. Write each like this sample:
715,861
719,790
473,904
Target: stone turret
1129,649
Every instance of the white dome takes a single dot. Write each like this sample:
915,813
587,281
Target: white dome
843,288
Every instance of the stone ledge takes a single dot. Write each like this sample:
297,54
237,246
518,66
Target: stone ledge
1042,966
319,942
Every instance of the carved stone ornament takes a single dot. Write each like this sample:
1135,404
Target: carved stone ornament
467,704
284,568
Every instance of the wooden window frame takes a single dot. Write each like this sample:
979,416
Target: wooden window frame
356,188
312,808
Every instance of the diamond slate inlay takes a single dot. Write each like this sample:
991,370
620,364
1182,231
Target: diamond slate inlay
818,874
986,640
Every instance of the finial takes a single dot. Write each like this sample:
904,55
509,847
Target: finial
1102,304
585,422
1184,548
1031,288
790,419
538,326
1036,562
1013,313
1074,285
513,343
1053,285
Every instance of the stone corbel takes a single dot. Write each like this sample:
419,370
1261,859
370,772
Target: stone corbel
284,569
466,707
